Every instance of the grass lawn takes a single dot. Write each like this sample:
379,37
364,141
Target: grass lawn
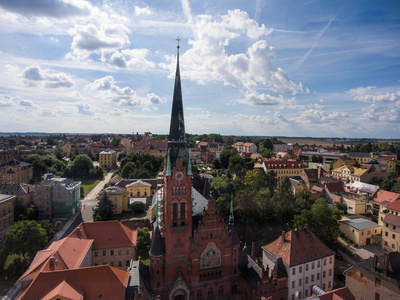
88,185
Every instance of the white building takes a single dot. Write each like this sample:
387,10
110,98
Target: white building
307,260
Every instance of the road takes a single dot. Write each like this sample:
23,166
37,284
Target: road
90,202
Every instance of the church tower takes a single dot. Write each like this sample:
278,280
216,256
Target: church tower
171,245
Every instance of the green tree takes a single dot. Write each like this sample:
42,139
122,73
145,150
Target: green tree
104,209
255,179
236,163
226,154
272,180
25,238
49,227
143,240
81,166
59,153
323,221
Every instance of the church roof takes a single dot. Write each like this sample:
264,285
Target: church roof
249,269
157,244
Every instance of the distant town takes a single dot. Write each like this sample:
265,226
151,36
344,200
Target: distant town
284,197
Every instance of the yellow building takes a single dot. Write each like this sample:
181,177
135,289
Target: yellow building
15,171
361,231
128,144
119,198
352,173
288,168
139,189
107,159
6,214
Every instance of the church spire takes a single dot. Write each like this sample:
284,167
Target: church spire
177,126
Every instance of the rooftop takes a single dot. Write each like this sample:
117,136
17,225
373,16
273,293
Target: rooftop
361,224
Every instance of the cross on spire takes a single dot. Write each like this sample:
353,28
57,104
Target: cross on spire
178,40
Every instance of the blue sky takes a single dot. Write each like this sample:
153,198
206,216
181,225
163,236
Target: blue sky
272,68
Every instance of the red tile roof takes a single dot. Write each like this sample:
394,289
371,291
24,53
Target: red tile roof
395,205
272,164
382,196
107,234
68,253
335,187
300,246
107,281
64,290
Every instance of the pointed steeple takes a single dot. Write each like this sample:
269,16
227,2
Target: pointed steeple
231,217
177,126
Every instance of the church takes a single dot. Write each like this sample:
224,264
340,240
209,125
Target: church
195,251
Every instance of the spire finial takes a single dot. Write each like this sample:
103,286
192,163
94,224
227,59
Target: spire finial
178,40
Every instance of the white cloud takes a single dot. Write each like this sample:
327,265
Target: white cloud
203,115
8,101
142,11
123,96
208,61
88,39
48,8
129,58
370,94
35,76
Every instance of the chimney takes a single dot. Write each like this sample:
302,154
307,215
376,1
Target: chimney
283,236
386,264
79,232
375,263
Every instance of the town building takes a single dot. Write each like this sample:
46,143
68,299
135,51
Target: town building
62,194
24,192
282,147
17,153
308,262
128,144
389,218
380,200
15,171
90,263
6,214
119,198
376,278
108,159
114,243
361,231
288,168
337,294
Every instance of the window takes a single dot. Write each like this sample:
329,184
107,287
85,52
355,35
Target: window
96,253
323,286
299,295
294,271
112,252
312,266
377,296
387,225
306,267
300,269
317,276
318,264
329,285
112,263
306,279
394,227
377,282
293,284
221,290
210,291
323,274
127,263
119,264
393,236
312,278
330,272
104,253
119,252
324,261
330,259
199,294
183,210
305,293
175,211
299,282
393,246
292,296
386,233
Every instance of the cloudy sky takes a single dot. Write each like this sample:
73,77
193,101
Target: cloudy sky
256,67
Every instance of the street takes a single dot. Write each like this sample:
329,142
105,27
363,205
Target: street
90,202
